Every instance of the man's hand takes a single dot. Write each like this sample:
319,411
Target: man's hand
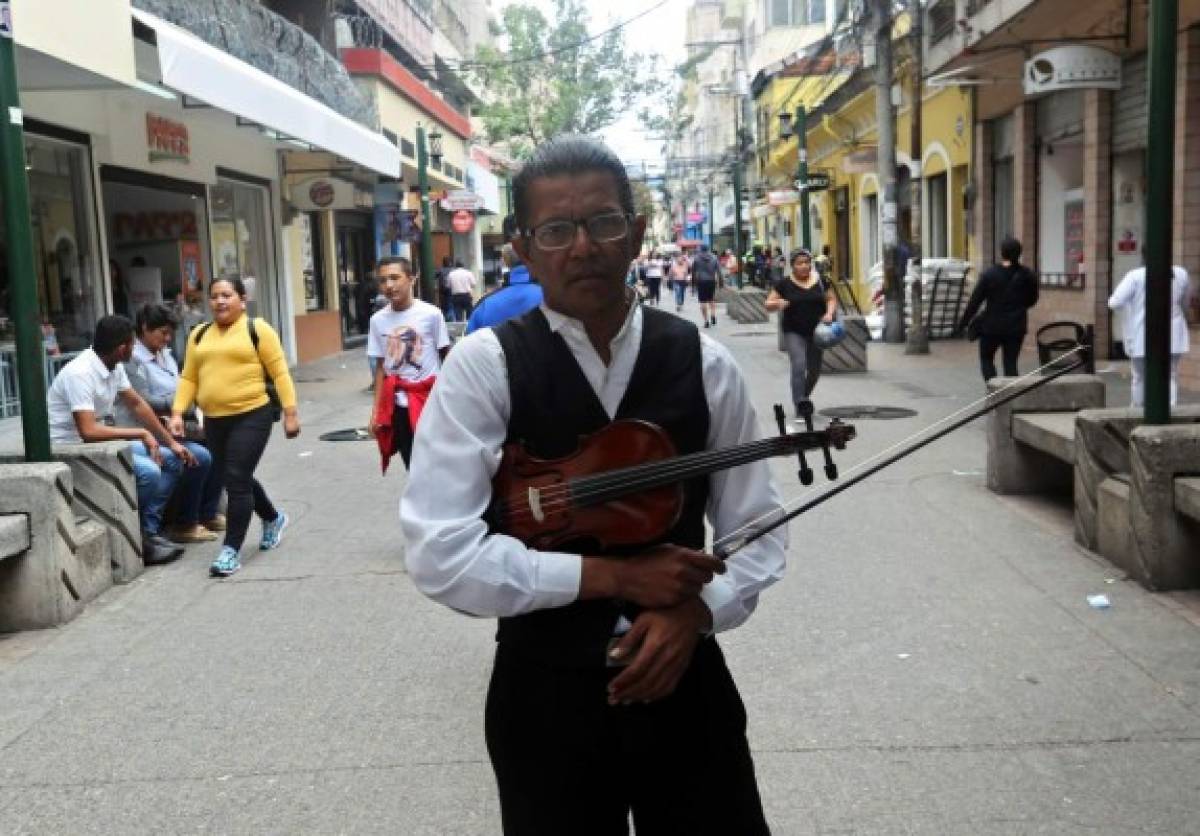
151,444
665,575
372,427
185,455
661,643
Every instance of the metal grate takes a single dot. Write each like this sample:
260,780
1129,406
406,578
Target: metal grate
868,413
353,434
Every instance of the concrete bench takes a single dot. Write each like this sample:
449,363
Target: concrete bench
746,306
1031,446
15,538
66,563
1166,543
1187,496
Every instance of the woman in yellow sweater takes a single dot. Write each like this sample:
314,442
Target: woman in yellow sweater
224,375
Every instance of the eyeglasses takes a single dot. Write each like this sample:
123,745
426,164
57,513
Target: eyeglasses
602,229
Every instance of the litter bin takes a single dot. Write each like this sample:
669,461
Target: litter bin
1057,339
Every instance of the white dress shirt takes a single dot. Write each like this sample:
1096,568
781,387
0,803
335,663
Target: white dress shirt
1131,296
454,560
83,385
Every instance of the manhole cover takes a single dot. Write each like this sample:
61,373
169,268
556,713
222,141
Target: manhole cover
311,379
868,413
752,333
355,434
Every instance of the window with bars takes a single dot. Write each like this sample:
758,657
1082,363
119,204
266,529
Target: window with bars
795,12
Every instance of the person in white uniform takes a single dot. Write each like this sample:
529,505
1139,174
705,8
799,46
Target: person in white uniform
579,746
1130,296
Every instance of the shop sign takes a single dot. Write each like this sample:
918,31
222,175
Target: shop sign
696,218
322,193
167,140
462,221
818,181
1075,67
330,193
783,197
461,200
862,161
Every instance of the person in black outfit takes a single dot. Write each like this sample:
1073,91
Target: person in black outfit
1007,291
805,301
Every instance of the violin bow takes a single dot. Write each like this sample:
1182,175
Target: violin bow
733,542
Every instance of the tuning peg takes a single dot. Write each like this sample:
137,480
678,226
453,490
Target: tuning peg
781,419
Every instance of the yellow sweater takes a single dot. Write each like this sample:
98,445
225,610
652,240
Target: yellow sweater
224,375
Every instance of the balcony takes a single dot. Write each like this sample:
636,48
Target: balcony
974,7
941,21
447,21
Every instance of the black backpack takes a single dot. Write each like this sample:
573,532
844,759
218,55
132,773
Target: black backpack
272,392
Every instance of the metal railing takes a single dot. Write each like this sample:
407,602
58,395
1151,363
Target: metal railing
1062,281
941,20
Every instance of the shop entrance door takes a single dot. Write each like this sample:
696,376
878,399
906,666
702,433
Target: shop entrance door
356,291
841,266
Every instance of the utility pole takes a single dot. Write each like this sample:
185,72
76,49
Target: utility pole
23,302
712,229
802,174
1160,221
918,336
893,285
428,284
738,248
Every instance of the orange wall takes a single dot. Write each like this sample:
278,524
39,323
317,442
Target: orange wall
318,335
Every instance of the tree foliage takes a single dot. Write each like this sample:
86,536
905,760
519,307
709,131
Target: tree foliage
553,77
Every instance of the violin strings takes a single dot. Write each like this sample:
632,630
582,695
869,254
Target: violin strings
797,501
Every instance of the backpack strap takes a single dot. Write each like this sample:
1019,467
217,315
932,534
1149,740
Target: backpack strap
200,331
254,339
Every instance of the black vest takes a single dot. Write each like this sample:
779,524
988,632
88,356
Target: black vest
553,405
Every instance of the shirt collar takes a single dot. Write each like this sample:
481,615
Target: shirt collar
97,364
559,321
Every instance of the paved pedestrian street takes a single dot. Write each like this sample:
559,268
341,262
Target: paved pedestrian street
930,663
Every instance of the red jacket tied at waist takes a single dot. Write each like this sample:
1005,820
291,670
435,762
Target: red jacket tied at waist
418,393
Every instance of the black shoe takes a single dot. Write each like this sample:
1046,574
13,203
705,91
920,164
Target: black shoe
714,320
157,549
706,323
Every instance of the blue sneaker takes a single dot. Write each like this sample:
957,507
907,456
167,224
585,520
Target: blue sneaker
273,532
226,564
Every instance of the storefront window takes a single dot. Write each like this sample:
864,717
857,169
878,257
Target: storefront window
69,288
312,261
240,242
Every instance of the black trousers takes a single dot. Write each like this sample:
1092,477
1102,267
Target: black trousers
402,434
1010,350
237,443
568,763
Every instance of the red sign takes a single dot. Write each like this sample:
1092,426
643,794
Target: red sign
321,193
167,139
462,221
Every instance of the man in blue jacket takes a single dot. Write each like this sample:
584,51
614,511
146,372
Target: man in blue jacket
520,293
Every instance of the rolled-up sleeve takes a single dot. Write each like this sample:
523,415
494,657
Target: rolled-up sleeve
450,555
738,496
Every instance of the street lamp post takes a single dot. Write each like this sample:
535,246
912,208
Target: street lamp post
424,156
14,192
800,128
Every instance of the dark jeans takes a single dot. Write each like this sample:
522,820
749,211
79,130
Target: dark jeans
805,357
461,303
402,434
237,443
567,762
1010,349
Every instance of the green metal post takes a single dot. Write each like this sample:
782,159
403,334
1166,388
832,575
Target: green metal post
1160,175
738,249
14,192
508,194
802,175
428,284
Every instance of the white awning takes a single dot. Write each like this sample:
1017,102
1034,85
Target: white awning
204,72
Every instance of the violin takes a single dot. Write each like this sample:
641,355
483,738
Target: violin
623,485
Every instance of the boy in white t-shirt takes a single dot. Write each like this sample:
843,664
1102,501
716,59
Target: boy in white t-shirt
409,339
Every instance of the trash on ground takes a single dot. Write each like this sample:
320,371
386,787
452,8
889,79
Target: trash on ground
903,655
1099,602
306,453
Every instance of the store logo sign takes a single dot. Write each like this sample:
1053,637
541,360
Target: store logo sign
1075,67
167,139
322,193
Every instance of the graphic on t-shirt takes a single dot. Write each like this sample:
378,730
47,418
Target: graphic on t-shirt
404,348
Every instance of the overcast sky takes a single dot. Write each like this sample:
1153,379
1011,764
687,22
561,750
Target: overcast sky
661,31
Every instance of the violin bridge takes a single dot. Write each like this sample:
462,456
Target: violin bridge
535,504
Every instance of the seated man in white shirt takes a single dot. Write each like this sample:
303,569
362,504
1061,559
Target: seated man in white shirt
80,405
578,745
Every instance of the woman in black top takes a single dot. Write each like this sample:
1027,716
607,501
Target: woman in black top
1009,290
805,301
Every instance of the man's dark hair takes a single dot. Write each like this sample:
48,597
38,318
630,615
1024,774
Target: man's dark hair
569,155
112,332
1010,250
154,316
458,265
239,286
446,261
389,260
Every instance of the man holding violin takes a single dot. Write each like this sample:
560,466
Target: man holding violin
609,695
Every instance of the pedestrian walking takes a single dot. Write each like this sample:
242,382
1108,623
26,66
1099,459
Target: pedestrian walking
1130,297
576,744
520,293
443,283
777,267
706,274
154,374
1006,291
805,301
230,362
80,407
680,274
462,291
409,340
652,275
